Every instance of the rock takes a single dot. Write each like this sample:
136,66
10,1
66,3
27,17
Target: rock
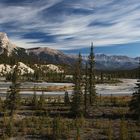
55,68
24,69
4,69
6,44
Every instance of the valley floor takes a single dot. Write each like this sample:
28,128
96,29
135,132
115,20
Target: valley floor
108,119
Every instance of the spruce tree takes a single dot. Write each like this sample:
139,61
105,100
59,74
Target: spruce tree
12,101
135,101
37,74
101,77
56,128
41,103
10,128
77,134
77,96
92,90
66,98
86,87
123,130
35,99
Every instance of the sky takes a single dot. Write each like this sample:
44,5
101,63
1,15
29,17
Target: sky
71,25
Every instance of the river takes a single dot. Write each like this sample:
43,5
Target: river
119,89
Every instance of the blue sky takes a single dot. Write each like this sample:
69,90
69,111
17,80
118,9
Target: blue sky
71,25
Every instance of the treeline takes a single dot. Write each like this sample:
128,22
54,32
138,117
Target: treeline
19,55
40,75
120,73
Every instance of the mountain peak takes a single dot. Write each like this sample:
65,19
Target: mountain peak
51,55
6,44
3,39
38,50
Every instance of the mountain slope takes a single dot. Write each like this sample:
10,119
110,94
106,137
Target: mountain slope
10,53
51,55
103,62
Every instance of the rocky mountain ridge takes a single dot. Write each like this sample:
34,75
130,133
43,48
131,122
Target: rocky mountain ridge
5,43
52,56
23,69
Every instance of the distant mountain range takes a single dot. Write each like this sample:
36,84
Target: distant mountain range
51,55
103,62
116,62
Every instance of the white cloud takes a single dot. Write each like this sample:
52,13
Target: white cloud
122,19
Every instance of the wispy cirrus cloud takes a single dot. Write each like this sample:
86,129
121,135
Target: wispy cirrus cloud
71,24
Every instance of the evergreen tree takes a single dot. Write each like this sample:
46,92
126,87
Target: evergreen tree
56,128
10,128
92,90
34,99
37,74
86,99
1,105
66,98
12,101
102,77
123,130
110,131
77,134
41,103
135,101
77,96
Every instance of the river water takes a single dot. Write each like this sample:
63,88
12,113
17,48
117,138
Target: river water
125,88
